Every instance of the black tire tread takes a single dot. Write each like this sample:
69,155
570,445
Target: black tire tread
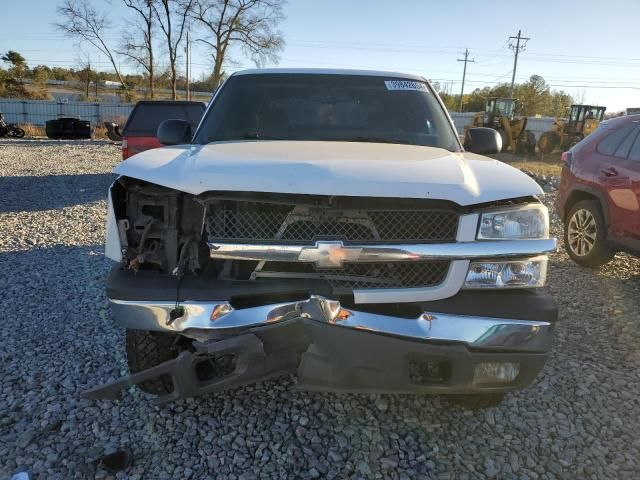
18,132
146,350
552,142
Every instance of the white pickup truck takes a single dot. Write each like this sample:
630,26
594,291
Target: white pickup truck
331,224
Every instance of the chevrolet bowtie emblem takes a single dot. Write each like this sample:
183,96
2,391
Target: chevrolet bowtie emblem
329,254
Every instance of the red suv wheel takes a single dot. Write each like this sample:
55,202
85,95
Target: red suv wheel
585,234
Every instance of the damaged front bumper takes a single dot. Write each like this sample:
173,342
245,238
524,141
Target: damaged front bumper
337,348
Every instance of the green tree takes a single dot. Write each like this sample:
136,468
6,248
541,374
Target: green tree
533,96
560,104
18,63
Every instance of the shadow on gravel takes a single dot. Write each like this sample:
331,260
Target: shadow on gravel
35,193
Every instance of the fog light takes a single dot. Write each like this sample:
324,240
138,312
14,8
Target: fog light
496,372
507,274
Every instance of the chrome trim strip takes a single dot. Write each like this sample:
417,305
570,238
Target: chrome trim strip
203,320
333,253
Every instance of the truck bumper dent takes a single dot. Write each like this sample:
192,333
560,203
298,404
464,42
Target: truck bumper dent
332,347
207,320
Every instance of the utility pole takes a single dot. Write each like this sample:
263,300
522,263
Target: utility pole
88,72
464,74
187,49
516,48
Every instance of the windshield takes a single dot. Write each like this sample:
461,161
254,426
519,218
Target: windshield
505,108
354,108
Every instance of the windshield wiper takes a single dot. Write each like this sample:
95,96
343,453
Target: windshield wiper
376,140
257,136
245,136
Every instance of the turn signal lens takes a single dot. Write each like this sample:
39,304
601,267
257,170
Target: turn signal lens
220,310
509,274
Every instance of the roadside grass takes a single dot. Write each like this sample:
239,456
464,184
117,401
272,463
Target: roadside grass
31,130
100,132
538,167
547,165
34,131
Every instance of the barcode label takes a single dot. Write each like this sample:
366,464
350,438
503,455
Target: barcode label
405,85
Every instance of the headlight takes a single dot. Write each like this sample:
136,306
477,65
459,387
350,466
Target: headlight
507,274
529,221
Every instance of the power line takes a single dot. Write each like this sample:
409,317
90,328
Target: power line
464,72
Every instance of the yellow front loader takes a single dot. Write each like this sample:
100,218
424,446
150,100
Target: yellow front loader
565,133
499,115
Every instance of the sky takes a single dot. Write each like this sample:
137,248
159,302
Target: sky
590,49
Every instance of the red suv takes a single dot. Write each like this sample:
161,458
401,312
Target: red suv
139,133
599,198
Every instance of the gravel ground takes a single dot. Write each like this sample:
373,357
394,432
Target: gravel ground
579,420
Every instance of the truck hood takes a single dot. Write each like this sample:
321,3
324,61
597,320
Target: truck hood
331,168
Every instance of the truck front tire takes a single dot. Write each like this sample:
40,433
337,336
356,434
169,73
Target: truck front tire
146,350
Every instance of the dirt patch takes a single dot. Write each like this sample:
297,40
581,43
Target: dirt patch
539,164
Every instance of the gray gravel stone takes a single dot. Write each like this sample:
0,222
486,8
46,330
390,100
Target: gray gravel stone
25,438
580,418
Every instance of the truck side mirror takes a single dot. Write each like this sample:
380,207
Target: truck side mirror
482,140
174,132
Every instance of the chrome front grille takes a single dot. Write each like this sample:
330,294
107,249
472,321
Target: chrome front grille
281,224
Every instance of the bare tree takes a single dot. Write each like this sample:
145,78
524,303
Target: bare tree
172,16
84,72
137,42
248,24
81,20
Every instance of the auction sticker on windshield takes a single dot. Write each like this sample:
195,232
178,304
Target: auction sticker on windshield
405,85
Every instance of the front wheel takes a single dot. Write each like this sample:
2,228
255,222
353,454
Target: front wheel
16,132
526,143
547,142
585,235
148,349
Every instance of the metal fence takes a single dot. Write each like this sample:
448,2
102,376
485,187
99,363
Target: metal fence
37,112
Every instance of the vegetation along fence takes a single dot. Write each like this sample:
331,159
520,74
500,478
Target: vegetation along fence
37,112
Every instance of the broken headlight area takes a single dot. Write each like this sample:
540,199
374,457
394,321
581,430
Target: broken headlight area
159,228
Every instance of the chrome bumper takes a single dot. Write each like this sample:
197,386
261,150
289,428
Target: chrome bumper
205,320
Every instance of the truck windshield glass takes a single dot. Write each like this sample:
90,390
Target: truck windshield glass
350,108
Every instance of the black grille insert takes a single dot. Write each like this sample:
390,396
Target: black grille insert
364,275
387,275
279,223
